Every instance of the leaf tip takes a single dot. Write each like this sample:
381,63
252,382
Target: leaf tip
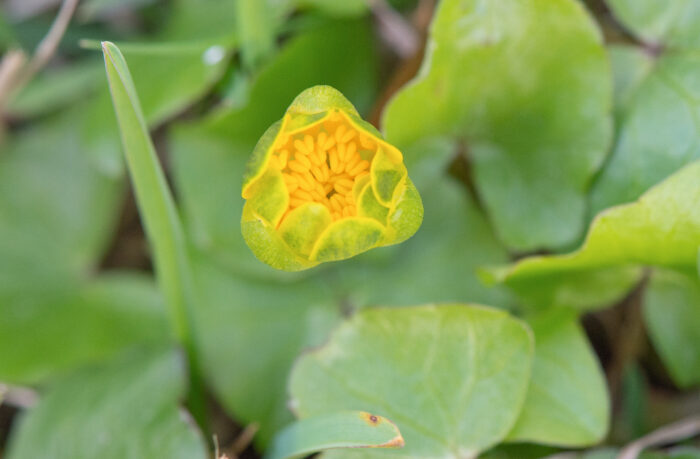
396,442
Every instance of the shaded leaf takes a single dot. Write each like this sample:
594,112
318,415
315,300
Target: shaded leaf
257,329
452,377
660,22
54,89
48,331
57,207
630,66
345,429
567,401
126,410
536,126
672,315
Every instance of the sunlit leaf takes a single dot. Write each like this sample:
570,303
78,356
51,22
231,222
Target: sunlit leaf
345,429
453,378
662,228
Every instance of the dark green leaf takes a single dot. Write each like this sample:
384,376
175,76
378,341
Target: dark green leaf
48,331
672,313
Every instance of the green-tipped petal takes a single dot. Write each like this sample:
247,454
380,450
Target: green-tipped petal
256,165
320,99
269,198
386,176
368,206
406,217
346,238
301,228
267,245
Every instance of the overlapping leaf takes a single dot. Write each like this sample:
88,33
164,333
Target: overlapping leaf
256,329
567,402
344,429
660,22
662,228
672,313
659,128
536,126
453,378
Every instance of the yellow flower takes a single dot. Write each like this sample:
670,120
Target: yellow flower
322,185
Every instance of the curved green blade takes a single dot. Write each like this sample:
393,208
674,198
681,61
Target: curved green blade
343,429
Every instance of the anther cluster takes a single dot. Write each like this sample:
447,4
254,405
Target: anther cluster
323,163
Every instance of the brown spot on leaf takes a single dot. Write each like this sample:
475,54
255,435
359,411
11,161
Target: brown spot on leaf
371,419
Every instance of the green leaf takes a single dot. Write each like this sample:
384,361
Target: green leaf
660,22
536,126
256,30
52,330
453,378
257,329
345,429
126,410
567,401
519,451
630,66
672,315
156,204
659,128
662,228
57,206
346,8
209,158
54,89
200,19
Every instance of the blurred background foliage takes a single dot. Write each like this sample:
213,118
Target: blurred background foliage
514,151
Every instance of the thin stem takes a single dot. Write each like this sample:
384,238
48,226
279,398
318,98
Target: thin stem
14,74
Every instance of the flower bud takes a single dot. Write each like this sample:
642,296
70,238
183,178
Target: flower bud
322,185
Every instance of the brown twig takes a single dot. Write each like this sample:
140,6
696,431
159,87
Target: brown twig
18,397
672,433
15,71
395,30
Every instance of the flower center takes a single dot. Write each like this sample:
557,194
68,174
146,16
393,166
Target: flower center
322,165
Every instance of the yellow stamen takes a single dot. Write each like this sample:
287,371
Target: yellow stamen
323,163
